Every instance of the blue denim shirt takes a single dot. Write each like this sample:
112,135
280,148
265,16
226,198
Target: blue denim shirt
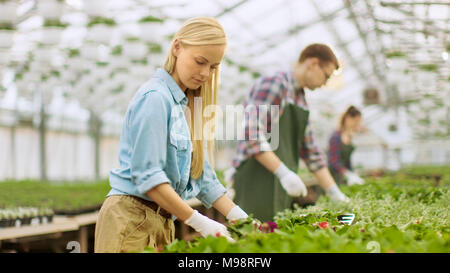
155,146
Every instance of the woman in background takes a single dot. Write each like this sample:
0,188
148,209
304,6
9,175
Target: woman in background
341,148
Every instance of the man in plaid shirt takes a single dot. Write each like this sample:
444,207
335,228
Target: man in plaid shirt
285,88
281,88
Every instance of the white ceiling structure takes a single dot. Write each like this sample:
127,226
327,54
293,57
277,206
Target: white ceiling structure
400,48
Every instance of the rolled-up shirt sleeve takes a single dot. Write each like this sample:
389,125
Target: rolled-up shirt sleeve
267,92
310,152
210,187
148,136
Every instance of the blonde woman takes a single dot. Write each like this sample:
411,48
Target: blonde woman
162,157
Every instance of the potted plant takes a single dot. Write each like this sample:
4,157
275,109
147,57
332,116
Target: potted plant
44,54
26,216
7,33
3,220
34,216
134,49
396,60
8,11
427,76
48,212
22,86
101,71
50,9
51,31
117,60
76,63
151,27
5,56
100,29
89,50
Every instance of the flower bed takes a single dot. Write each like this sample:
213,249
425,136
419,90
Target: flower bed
393,213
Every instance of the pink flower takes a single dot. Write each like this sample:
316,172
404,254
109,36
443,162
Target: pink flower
268,227
324,225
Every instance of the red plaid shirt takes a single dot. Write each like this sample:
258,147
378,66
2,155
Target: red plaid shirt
278,89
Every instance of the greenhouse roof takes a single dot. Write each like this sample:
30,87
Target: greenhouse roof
399,48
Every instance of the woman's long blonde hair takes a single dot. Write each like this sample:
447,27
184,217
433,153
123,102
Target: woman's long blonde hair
200,31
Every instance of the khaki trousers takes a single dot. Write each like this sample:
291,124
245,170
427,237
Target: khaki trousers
126,225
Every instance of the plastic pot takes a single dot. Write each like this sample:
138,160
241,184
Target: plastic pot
8,11
135,50
7,38
50,9
100,33
95,8
151,31
51,35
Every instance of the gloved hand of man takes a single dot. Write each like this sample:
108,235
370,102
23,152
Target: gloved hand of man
206,226
336,195
290,181
352,178
236,213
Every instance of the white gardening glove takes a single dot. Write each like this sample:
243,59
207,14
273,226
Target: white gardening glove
236,213
206,226
229,180
290,181
352,178
336,195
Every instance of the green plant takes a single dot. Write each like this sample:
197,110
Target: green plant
101,20
154,48
54,23
397,212
102,64
117,50
151,19
395,54
7,26
73,52
132,39
429,67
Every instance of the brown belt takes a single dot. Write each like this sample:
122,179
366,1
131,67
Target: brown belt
164,213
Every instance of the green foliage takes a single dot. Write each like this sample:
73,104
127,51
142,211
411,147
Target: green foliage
132,39
61,196
406,211
6,26
54,23
154,48
73,52
429,67
395,54
151,19
101,20
117,50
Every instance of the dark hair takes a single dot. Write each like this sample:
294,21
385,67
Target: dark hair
352,111
320,51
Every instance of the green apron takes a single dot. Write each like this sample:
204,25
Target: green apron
345,155
258,191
